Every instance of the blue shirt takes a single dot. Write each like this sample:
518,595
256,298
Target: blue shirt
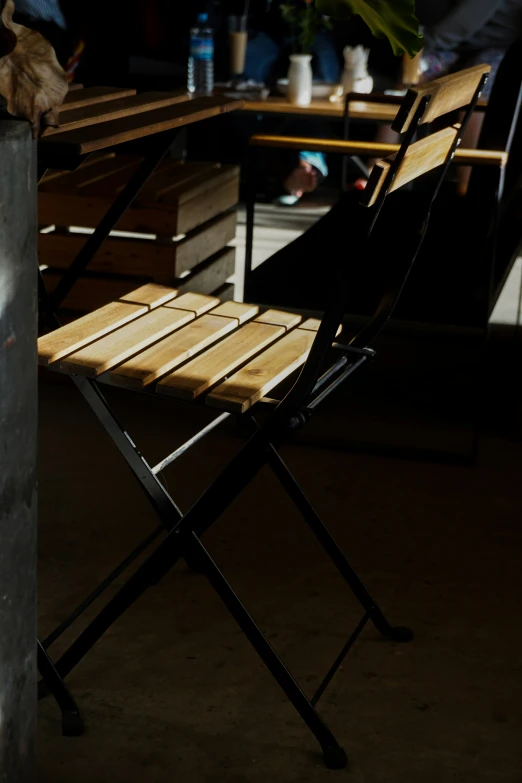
47,10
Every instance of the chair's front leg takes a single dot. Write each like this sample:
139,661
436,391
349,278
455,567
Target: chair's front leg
334,755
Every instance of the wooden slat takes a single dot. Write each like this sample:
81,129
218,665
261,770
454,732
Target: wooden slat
239,311
446,94
203,372
163,262
107,134
200,184
212,274
280,318
207,206
147,366
171,175
264,373
75,99
58,344
53,174
67,210
152,295
205,242
117,347
421,157
114,110
72,182
112,316
166,221
194,303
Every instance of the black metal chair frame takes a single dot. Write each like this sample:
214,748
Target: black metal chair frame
184,531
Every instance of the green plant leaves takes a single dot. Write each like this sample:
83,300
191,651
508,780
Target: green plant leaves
391,19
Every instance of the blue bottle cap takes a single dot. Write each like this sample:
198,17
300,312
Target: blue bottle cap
202,18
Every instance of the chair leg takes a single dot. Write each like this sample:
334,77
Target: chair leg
397,633
334,756
72,722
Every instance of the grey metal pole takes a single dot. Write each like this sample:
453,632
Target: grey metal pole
18,420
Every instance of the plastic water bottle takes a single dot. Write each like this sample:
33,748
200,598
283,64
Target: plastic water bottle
201,58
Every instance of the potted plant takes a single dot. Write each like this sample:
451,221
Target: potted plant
305,21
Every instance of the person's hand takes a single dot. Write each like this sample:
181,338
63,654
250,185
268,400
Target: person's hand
31,79
303,179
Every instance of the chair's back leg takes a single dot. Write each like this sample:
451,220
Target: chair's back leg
72,723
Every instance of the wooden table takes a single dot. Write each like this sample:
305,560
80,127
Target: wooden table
358,109
100,118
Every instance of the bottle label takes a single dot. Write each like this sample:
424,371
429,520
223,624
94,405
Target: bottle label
202,48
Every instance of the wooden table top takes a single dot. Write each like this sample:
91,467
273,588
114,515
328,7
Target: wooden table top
359,109
96,118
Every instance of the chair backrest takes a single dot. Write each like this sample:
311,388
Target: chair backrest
445,94
415,158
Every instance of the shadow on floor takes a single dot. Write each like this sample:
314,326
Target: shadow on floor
173,691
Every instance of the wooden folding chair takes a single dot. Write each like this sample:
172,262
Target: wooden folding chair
231,356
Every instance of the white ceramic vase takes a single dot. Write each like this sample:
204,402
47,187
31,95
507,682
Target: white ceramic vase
300,79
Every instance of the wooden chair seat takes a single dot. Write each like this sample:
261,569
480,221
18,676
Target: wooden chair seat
189,346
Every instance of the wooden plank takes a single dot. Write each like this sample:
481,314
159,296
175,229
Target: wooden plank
447,94
116,347
421,157
68,210
75,99
171,175
263,373
201,183
111,184
194,303
108,134
52,174
87,210
72,182
152,295
163,262
114,110
280,318
58,344
203,372
211,275
204,242
239,311
146,367
208,205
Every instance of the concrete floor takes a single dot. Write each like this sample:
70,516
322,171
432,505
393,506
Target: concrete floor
174,692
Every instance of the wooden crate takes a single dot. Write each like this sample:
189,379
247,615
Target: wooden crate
181,224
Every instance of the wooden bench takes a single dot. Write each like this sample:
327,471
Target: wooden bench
181,225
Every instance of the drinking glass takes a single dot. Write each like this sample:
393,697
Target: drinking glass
237,41
411,69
